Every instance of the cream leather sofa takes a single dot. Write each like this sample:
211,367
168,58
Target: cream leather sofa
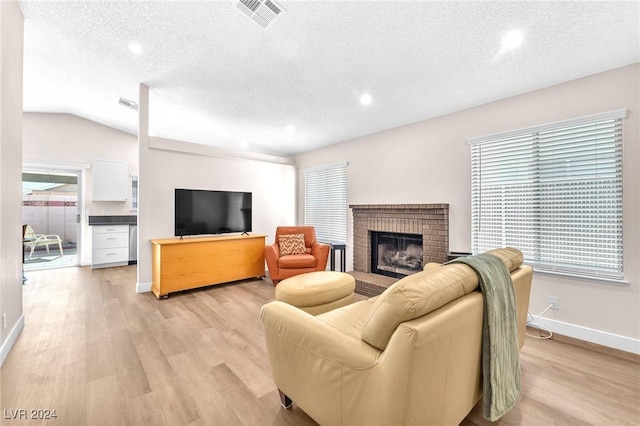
411,356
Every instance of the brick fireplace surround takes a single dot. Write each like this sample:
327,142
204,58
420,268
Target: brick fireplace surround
429,220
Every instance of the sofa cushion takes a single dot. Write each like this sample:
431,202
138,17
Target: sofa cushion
291,244
308,231
511,257
349,319
295,261
418,294
431,266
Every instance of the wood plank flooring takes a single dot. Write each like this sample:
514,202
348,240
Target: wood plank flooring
100,354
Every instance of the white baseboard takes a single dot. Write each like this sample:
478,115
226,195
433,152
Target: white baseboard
599,337
11,339
143,288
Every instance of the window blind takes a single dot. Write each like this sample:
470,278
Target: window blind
325,201
554,192
134,193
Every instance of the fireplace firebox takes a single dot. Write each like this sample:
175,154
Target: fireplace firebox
396,254
430,221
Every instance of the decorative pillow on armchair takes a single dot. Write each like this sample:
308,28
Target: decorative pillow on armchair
291,244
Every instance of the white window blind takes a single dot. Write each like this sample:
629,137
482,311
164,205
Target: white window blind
325,201
134,193
555,193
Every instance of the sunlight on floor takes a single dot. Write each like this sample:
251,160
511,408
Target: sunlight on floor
51,260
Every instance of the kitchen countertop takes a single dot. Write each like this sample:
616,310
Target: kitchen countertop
113,220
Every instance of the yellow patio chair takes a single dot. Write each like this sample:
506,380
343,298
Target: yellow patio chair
33,240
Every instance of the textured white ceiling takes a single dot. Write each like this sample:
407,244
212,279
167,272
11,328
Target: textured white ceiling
218,78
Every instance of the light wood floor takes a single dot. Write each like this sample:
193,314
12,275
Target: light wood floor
98,353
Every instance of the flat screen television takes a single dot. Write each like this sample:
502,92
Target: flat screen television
202,212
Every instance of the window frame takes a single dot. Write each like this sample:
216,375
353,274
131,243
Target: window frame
531,163
134,193
325,189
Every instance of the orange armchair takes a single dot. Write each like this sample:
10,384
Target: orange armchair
314,259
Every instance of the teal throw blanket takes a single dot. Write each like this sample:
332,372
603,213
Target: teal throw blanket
500,351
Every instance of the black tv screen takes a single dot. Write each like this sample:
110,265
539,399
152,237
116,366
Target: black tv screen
201,212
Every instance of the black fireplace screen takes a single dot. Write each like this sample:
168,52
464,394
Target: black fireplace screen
395,254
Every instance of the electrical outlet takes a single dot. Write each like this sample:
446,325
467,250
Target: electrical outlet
553,300
4,320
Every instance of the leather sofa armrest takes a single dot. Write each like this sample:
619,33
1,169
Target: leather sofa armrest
321,252
310,335
314,364
271,255
274,249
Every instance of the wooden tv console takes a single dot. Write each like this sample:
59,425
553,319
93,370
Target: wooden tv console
191,262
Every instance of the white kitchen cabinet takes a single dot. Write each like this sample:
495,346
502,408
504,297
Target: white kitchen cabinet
110,246
110,181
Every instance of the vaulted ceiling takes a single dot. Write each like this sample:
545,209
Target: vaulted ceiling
217,77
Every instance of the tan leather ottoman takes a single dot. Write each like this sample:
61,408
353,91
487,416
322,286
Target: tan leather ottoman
317,292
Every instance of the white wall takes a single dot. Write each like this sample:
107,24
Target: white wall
66,139
11,42
161,171
429,162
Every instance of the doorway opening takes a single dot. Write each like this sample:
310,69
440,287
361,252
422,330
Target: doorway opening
51,218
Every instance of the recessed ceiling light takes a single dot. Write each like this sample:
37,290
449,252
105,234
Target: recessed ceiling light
135,48
290,129
512,39
366,99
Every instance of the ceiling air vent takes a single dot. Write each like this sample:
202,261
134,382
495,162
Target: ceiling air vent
128,103
263,12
